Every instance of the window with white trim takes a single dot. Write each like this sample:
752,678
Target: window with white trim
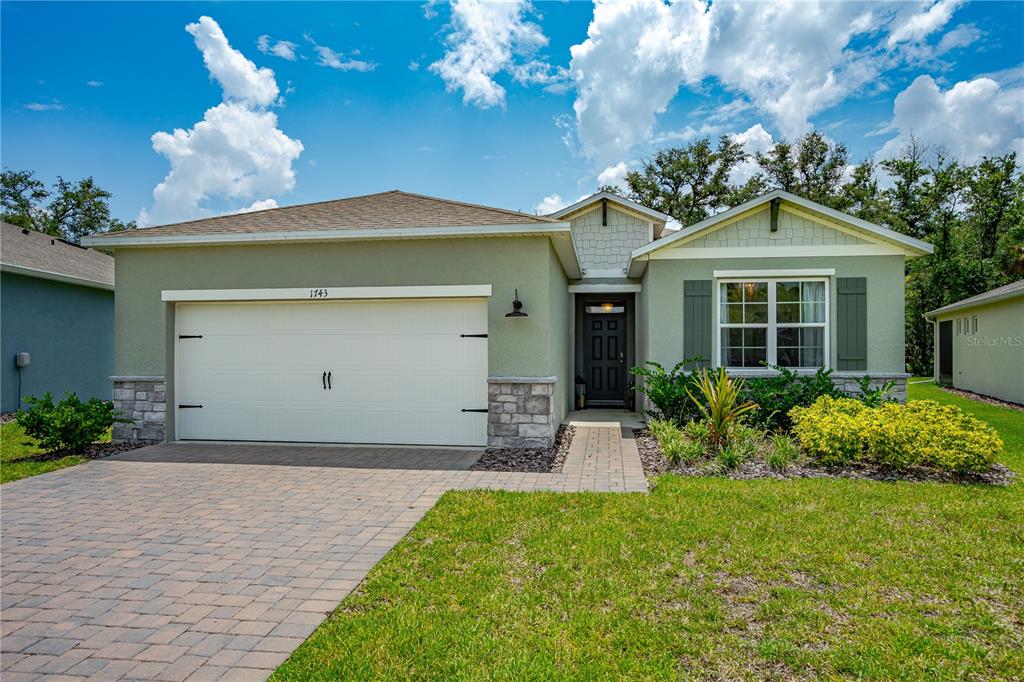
779,321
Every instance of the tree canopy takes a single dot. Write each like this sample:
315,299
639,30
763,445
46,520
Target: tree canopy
70,210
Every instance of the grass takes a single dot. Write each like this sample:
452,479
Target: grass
15,446
702,578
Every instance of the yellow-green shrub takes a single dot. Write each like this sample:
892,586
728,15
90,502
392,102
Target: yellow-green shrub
838,431
829,429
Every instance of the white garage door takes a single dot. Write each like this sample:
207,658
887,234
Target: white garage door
394,371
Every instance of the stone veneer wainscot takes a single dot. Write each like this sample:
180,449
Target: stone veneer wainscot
143,401
520,412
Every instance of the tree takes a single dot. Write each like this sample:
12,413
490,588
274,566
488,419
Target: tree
75,210
688,183
862,196
812,169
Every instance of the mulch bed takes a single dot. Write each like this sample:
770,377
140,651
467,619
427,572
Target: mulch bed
982,398
533,460
655,464
94,451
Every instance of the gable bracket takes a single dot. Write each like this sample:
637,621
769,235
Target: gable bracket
776,203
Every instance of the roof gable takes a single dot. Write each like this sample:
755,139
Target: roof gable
630,206
802,215
34,254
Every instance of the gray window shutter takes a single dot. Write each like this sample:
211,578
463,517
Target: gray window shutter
852,323
698,320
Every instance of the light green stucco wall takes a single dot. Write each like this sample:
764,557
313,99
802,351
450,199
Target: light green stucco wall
560,342
517,346
662,302
991,361
755,230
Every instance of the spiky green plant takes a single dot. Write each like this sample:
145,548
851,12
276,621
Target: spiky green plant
721,405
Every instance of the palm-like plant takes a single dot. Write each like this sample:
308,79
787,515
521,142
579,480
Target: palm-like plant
723,407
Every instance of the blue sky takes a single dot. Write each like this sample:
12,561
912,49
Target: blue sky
514,105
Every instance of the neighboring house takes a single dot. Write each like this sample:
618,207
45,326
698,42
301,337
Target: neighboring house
390,318
57,305
979,343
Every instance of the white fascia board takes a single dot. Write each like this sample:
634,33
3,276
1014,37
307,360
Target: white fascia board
327,293
799,272
565,249
604,288
615,199
114,241
55,276
964,305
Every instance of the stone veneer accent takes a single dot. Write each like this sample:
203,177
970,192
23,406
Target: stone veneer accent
520,412
847,383
143,400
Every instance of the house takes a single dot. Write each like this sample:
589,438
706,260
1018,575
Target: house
979,343
56,305
402,318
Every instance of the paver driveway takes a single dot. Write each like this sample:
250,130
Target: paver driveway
178,562
164,568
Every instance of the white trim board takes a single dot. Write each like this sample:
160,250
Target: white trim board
819,272
604,288
327,293
55,276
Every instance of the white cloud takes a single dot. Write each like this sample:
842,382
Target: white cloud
788,60
282,48
46,106
488,38
94,84
916,26
414,65
614,175
550,204
261,205
336,60
238,76
236,153
754,139
971,119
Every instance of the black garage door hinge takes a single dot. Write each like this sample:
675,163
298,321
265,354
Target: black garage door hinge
183,407
190,336
470,409
473,336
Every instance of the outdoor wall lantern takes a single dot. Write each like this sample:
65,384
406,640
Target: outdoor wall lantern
517,307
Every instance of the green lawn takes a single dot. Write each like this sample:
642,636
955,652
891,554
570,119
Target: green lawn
703,578
15,445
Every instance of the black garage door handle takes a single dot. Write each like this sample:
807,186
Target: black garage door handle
324,380
329,381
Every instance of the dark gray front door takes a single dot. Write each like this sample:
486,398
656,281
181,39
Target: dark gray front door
946,352
604,348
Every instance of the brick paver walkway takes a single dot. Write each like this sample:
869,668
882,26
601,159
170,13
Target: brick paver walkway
176,562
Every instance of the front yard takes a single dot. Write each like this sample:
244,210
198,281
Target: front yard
17,453
702,578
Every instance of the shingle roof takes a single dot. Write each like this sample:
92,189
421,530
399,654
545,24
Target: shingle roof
395,209
1006,291
45,255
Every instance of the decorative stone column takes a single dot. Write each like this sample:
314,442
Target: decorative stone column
521,412
143,401
847,383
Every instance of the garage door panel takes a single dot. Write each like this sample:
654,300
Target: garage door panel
400,372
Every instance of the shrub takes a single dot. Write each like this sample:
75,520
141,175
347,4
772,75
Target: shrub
874,397
698,432
675,445
730,456
783,452
777,395
829,429
667,391
70,424
746,440
720,403
922,432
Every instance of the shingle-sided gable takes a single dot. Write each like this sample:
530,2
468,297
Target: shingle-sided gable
754,230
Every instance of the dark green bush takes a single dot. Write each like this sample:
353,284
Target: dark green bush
70,424
667,391
777,395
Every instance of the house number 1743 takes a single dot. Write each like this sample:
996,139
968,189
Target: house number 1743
318,293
